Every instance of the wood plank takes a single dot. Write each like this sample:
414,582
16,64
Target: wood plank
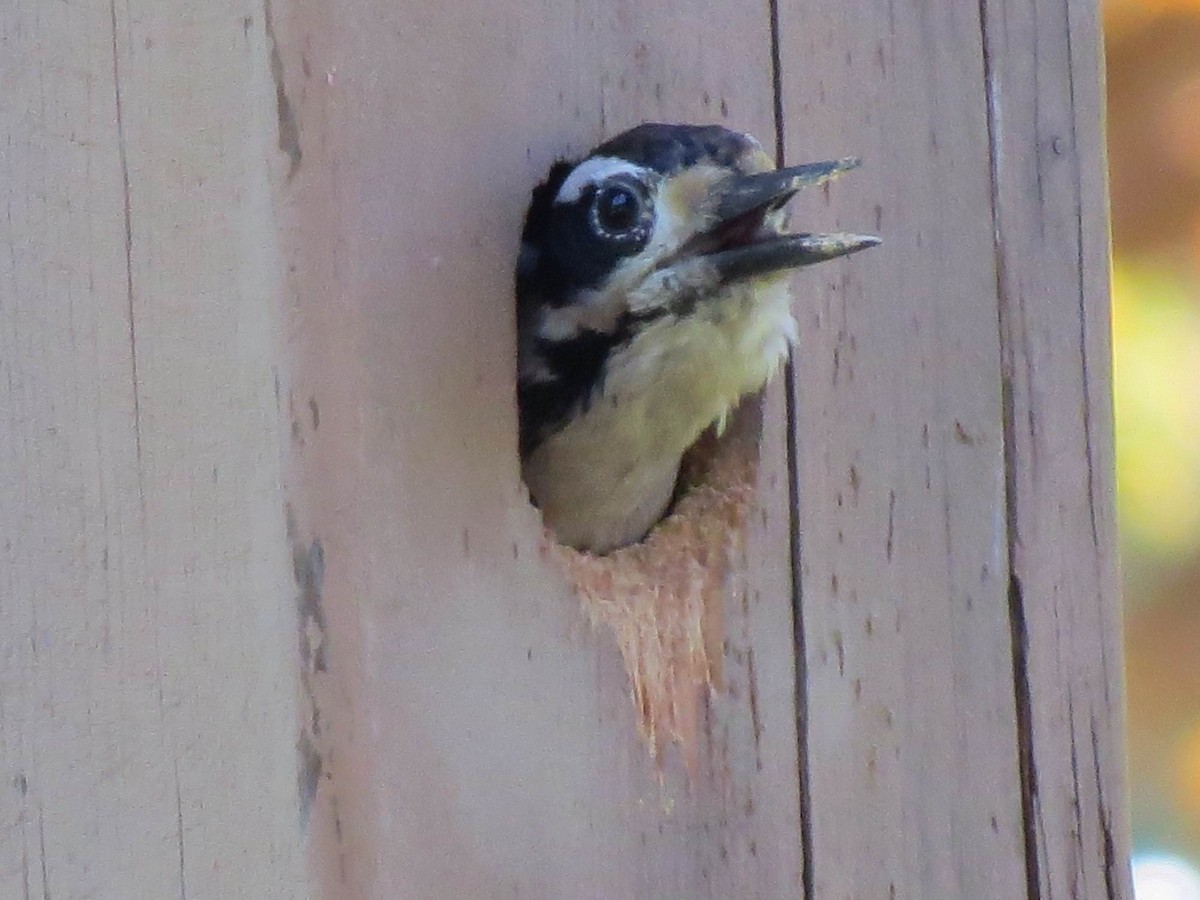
476,737
147,697
171,178
1046,104
910,737
997,115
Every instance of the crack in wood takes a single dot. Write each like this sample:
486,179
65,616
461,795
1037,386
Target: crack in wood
42,853
123,158
1030,804
1077,847
1032,831
1089,449
179,831
1104,815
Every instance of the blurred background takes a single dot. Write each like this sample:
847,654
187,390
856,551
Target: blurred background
1153,49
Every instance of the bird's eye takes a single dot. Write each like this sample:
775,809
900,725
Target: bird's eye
617,210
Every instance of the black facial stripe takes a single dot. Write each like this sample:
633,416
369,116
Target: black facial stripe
578,367
571,249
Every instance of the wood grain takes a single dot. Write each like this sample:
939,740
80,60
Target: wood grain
911,742
147,688
275,615
1050,213
939,681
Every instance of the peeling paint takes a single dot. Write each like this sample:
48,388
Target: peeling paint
308,570
289,129
308,776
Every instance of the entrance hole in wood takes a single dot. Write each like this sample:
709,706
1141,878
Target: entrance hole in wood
663,598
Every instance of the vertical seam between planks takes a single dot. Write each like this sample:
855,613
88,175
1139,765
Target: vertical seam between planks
776,80
1018,625
793,481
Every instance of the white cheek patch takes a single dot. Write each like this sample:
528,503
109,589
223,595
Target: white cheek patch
591,311
593,171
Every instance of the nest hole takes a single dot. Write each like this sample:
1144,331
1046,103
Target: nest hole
664,597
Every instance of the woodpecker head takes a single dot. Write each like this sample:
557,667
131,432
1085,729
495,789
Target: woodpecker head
656,260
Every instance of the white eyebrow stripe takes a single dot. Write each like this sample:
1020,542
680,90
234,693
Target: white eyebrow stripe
591,171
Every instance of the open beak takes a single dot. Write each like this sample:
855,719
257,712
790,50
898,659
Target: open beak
741,245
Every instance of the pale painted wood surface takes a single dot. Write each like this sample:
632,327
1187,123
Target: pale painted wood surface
147,636
481,741
957,552
274,621
912,750
1050,170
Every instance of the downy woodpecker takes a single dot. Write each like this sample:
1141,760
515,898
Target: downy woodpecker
652,294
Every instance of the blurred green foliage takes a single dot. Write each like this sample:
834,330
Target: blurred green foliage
1156,368
1153,70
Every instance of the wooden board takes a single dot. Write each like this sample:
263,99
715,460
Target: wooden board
276,619
1051,221
476,736
147,680
959,733
910,739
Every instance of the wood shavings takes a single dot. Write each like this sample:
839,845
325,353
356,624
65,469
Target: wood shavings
663,598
